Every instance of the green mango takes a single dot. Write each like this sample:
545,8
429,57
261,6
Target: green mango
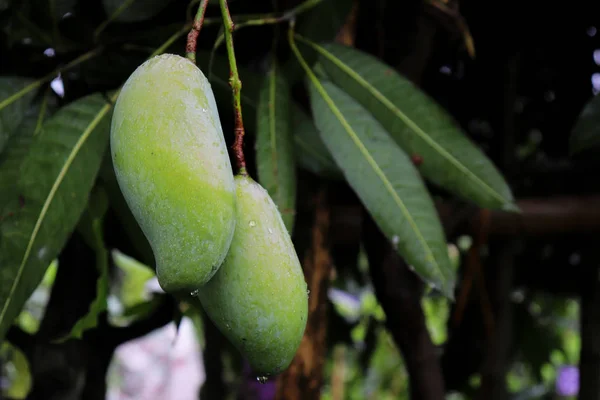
258,299
172,165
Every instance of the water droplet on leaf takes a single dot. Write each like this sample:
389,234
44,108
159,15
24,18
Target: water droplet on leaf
252,224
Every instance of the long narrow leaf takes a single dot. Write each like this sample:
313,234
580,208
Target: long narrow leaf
55,179
385,180
418,124
275,162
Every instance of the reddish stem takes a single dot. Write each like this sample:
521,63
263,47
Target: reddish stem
236,87
192,38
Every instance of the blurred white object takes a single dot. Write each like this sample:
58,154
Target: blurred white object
158,366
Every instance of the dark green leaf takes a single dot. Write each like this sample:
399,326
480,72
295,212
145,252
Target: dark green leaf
17,148
385,180
419,125
133,10
274,145
311,152
586,132
13,105
91,227
55,179
12,158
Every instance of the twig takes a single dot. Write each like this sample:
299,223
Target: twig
268,19
192,39
236,86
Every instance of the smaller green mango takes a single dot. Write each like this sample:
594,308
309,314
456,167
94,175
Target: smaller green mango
258,298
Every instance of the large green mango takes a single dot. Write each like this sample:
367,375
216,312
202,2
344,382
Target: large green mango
172,165
258,298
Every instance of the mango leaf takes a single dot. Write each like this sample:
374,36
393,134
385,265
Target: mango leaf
418,124
17,148
586,131
19,377
275,163
11,159
133,10
311,152
385,180
132,290
90,226
55,179
13,105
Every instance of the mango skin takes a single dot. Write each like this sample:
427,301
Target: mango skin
258,299
172,165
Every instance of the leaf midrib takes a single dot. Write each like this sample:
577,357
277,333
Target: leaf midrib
405,118
377,170
49,200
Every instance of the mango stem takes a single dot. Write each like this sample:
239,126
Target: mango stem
192,38
236,86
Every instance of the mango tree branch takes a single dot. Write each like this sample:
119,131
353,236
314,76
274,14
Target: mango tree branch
269,19
192,39
236,86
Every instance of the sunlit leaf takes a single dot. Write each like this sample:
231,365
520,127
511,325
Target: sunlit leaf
12,111
274,145
311,152
55,179
586,132
385,180
132,290
19,377
418,124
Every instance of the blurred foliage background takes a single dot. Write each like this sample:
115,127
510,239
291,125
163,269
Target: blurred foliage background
510,314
